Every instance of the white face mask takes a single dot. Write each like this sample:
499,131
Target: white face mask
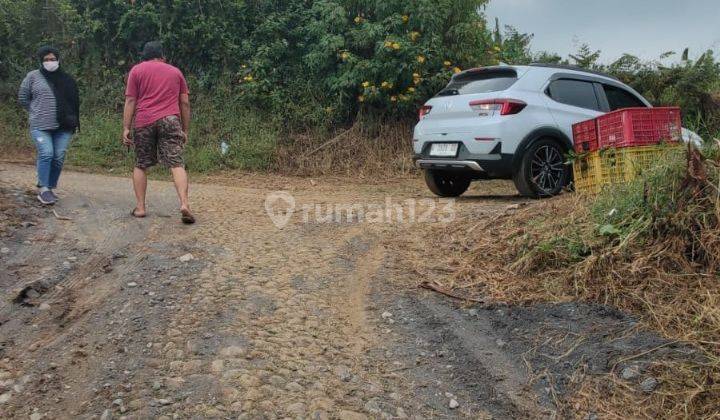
51,65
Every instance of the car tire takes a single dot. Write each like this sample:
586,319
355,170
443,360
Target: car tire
542,171
446,183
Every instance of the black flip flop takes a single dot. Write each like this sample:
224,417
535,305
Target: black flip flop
187,217
132,213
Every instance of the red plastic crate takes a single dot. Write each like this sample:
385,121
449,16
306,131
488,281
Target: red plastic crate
639,127
585,136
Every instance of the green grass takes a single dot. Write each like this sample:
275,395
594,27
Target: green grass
651,206
624,214
251,138
13,129
98,144
632,209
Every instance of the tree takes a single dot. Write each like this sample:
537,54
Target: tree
548,58
515,47
585,57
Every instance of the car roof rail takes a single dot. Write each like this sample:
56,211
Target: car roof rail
574,68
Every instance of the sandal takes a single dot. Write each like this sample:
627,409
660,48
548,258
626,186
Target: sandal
133,214
187,217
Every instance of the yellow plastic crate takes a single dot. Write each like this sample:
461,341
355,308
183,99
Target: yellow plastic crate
586,171
596,169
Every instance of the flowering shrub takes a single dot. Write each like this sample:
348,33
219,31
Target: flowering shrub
344,56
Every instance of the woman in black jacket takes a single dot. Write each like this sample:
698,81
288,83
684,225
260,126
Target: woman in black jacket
53,103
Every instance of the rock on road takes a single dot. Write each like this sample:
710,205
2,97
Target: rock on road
109,316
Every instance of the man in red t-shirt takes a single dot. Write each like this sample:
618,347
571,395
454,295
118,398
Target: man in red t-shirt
157,97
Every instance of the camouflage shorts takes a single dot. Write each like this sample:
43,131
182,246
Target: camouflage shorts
161,141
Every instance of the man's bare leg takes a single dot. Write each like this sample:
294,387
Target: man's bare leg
181,185
140,187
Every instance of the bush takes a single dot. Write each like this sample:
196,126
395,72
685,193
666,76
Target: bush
307,63
258,71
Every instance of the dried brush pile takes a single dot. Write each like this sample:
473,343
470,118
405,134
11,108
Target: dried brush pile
651,248
365,150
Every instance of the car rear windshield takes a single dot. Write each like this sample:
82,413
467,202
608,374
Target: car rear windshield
482,81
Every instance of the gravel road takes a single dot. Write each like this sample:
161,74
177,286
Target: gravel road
108,316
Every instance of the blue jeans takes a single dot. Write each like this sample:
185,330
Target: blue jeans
51,146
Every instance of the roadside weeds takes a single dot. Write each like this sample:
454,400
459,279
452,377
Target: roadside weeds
666,275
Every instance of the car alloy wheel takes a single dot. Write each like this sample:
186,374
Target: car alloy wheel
547,169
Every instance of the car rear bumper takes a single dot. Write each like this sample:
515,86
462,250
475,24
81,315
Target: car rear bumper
483,165
449,164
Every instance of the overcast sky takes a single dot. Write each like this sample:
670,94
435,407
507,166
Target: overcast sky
645,28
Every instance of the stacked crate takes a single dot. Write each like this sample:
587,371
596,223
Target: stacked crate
619,146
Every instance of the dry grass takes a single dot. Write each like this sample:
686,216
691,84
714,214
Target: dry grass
365,150
662,265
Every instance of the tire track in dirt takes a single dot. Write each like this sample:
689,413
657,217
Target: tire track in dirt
365,270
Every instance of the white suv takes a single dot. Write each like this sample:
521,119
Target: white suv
511,122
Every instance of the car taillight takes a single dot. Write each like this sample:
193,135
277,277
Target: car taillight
424,111
489,107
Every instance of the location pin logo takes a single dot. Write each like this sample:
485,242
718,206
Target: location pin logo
280,206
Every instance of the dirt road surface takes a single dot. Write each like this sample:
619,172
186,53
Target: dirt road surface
108,316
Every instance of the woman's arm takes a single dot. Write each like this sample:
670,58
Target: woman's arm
25,93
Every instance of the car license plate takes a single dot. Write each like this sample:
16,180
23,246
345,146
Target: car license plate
444,149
